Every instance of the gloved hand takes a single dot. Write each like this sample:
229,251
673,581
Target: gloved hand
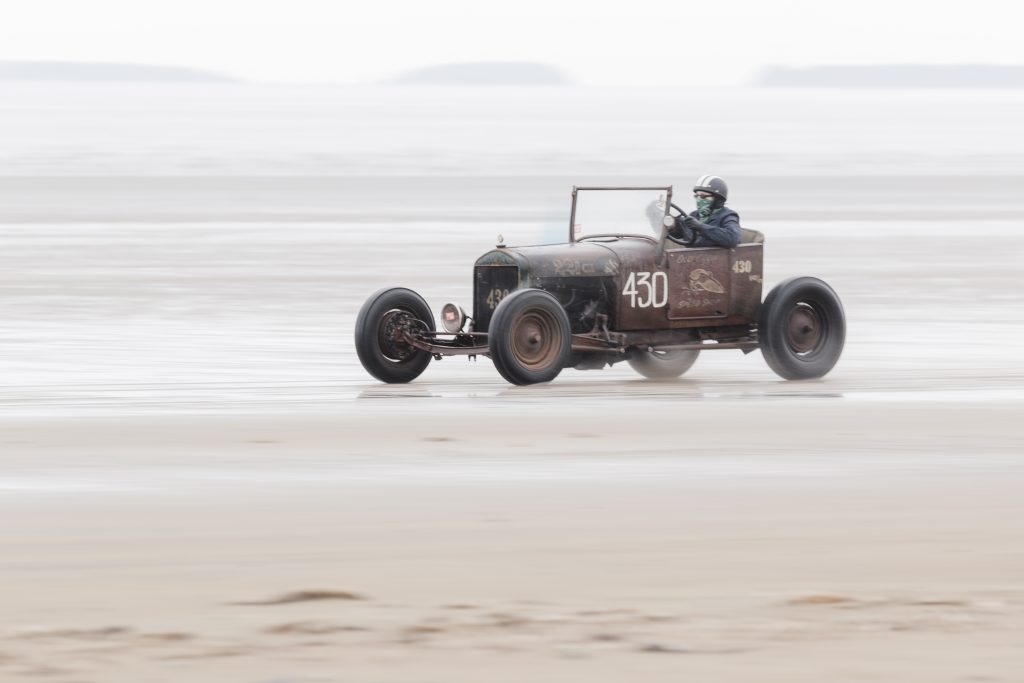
689,222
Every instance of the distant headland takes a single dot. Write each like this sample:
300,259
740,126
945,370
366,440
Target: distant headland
895,76
104,71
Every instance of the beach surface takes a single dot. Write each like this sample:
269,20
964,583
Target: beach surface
199,481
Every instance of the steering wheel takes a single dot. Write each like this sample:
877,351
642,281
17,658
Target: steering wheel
688,235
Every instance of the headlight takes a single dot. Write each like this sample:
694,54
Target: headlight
452,318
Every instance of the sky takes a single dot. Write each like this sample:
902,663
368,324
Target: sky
640,42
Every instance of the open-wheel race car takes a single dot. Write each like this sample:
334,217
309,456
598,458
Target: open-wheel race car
625,287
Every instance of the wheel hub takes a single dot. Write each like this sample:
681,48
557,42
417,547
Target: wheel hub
533,340
391,334
804,331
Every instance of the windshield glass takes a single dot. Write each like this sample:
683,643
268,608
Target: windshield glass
619,212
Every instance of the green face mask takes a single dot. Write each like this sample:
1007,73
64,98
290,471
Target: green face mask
704,206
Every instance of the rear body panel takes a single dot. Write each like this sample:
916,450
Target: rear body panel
714,283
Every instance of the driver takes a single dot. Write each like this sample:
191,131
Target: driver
712,223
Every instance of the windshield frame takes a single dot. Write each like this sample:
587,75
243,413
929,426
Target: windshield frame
576,189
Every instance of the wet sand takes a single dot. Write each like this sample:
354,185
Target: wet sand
200,482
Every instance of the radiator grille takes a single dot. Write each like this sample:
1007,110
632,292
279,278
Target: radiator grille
490,285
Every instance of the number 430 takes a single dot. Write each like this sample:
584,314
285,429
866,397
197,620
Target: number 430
646,290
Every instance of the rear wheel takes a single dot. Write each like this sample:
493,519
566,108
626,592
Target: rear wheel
663,364
529,337
802,328
380,329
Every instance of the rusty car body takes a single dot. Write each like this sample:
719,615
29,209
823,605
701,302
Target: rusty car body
624,295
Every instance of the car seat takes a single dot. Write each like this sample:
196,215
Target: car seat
748,236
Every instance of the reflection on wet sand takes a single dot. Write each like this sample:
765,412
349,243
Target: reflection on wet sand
648,390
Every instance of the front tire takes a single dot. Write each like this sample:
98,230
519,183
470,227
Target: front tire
802,328
379,325
663,364
529,337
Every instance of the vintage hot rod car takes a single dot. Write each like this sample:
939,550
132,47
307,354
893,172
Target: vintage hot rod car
623,289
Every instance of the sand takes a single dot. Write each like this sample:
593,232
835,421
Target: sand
865,541
200,483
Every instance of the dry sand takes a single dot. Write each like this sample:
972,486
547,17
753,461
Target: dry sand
864,541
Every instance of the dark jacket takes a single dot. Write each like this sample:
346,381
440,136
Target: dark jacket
722,229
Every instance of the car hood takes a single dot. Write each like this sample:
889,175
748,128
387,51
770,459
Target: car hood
575,259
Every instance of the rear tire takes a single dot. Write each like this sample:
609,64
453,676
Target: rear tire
802,328
529,337
663,364
384,315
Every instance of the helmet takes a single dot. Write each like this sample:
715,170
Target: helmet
713,185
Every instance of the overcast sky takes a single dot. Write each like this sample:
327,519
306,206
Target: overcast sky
639,42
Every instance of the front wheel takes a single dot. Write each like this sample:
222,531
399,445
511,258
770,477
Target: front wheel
529,337
663,364
380,334
802,328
